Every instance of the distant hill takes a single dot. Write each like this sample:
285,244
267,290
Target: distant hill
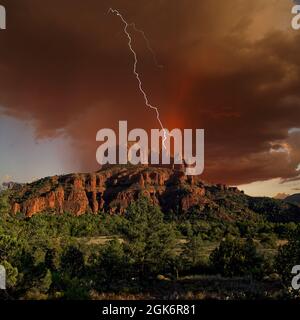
112,188
281,196
295,198
10,185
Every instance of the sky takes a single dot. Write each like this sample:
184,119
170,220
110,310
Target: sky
23,158
231,67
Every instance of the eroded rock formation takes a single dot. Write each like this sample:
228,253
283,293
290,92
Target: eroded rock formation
110,189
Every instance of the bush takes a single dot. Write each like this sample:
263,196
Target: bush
268,240
111,267
72,262
236,258
11,274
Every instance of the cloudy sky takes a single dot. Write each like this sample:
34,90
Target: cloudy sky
231,67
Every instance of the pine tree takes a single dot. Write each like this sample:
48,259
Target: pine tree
150,242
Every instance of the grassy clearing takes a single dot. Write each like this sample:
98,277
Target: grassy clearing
206,248
101,240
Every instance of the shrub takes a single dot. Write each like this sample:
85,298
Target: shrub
111,267
72,262
236,258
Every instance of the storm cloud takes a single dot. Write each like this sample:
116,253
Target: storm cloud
230,67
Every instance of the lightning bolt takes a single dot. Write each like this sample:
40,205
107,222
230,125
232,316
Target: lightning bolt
148,44
135,72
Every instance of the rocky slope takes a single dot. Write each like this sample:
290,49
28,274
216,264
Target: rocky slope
112,189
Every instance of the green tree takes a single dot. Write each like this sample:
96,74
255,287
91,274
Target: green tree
150,242
4,205
111,266
9,247
192,252
236,258
51,259
11,274
72,262
45,282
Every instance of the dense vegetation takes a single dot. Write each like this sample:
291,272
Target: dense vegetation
145,254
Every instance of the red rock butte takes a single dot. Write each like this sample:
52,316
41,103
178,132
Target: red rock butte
110,189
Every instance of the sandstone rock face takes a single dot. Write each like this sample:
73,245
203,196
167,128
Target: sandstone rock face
111,190
15,208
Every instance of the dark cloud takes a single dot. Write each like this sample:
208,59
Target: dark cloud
66,65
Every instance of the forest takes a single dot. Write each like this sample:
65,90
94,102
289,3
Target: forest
146,254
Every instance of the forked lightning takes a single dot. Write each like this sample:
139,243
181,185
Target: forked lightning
148,104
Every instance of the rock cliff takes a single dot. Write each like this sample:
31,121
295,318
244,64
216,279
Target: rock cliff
112,188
